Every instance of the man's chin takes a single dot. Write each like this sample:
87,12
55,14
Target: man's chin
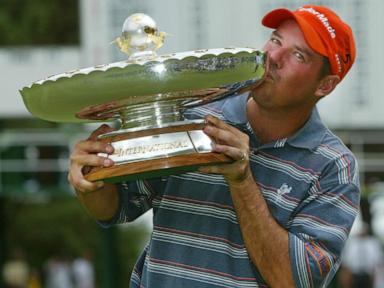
263,91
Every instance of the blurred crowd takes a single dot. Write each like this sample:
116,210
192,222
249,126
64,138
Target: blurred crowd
363,257
57,272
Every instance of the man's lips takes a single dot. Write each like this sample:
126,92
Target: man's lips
270,77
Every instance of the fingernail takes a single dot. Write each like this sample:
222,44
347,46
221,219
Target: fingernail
109,149
208,119
217,148
108,162
208,128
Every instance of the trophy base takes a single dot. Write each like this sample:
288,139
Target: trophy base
155,168
157,152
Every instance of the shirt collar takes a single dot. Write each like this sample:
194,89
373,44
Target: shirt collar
234,108
309,136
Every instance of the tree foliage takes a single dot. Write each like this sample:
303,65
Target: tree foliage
39,22
62,227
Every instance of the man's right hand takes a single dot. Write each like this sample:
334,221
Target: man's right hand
84,156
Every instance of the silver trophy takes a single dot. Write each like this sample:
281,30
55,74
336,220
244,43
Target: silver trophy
148,94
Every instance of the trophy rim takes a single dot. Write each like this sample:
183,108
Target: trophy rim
156,59
123,90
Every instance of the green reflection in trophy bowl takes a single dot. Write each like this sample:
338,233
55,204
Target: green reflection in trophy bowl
147,89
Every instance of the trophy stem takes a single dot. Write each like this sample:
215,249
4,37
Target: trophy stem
141,55
150,115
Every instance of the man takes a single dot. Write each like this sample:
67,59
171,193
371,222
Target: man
279,215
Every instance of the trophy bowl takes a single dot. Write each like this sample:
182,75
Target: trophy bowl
148,95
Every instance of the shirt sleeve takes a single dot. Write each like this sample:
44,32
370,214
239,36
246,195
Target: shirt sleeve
321,225
135,199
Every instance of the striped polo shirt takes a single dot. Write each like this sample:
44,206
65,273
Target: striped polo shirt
309,181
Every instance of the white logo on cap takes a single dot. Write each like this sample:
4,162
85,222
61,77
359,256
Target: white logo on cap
338,63
322,19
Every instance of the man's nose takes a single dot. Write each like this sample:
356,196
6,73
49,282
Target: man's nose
276,57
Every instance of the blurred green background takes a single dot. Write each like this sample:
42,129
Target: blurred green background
40,215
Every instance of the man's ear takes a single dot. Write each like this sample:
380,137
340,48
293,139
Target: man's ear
326,85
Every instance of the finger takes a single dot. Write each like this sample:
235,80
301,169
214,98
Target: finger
214,121
235,170
222,136
77,180
85,186
101,130
91,146
232,152
91,160
222,132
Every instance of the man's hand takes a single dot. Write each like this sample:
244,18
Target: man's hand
233,143
84,156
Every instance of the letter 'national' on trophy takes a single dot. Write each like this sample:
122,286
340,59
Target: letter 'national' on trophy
150,96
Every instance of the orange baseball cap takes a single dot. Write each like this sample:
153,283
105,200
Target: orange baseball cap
324,32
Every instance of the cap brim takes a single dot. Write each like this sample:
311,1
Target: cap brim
274,18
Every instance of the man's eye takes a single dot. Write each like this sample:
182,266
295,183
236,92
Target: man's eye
299,56
275,40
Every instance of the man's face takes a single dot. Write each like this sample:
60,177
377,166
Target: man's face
294,70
